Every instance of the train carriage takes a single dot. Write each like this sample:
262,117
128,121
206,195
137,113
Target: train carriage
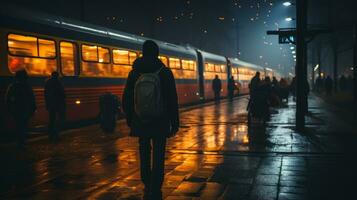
243,72
92,60
213,65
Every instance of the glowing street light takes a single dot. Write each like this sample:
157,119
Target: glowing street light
293,52
287,3
288,19
292,48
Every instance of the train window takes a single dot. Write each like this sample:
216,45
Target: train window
223,68
121,57
68,50
164,60
189,65
36,56
22,45
217,68
103,55
47,48
175,63
132,57
90,53
209,67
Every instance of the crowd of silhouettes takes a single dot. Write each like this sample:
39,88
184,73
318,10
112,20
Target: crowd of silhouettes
325,85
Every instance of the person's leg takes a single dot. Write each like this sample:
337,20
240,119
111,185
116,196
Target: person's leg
145,161
21,128
157,175
51,124
61,119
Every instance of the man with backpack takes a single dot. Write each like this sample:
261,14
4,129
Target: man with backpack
151,108
20,101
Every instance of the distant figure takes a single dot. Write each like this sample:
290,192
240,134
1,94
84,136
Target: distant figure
275,82
55,104
231,87
328,85
293,88
109,110
254,83
20,101
153,116
217,87
343,83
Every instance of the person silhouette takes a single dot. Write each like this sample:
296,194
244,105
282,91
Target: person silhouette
217,87
151,118
55,99
20,101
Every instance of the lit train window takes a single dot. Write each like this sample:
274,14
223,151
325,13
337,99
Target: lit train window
47,48
22,45
93,53
164,60
90,53
68,52
132,57
217,68
223,68
174,63
209,67
36,56
103,55
189,65
121,57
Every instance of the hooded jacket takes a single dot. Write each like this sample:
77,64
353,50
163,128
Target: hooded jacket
160,127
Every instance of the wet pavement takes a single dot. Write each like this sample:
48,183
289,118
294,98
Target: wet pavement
214,156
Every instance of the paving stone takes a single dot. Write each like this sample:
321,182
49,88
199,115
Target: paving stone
263,192
234,191
294,190
290,196
188,188
267,180
212,191
237,180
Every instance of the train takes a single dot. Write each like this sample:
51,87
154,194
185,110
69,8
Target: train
93,60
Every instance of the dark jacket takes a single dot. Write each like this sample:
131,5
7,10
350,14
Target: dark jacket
20,100
216,85
170,120
54,95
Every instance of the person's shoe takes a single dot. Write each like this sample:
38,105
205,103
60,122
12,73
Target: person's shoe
146,195
157,195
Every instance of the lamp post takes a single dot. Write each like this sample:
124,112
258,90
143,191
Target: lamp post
301,64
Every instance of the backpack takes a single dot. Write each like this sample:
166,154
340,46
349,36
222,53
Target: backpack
148,101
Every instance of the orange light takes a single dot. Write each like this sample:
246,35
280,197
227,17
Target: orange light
78,102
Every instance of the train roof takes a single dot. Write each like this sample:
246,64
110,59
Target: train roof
13,15
213,57
237,62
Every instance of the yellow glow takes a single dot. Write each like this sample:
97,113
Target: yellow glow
78,102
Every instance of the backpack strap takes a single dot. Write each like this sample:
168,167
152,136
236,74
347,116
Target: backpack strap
158,71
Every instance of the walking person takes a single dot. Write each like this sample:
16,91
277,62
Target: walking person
55,99
328,85
20,101
217,87
151,108
231,87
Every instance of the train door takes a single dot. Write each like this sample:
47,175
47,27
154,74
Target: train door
200,75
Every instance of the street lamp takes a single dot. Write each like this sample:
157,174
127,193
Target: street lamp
288,19
287,3
292,48
293,52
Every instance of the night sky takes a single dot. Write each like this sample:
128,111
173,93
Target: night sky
234,28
